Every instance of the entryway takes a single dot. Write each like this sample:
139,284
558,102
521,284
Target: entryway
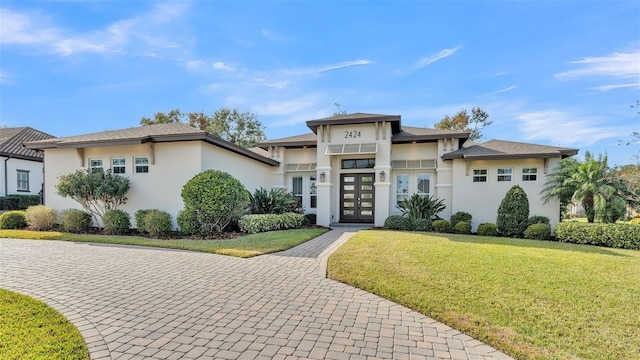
357,198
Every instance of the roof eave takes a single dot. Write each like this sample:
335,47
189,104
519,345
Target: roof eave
393,119
289,144
214,140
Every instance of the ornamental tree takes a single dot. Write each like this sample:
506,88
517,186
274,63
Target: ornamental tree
513,213
97,191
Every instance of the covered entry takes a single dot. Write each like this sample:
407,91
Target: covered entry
357,197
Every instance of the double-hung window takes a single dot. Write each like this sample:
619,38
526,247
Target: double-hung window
95,165
141,164
118,165
504,174
530,174
23,180
480,175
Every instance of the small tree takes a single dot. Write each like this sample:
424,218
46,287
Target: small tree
513,212
97,192
461,121
214,198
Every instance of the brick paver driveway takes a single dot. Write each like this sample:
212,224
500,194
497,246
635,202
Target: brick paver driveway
134,303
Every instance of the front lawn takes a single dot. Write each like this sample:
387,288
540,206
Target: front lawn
29,329
244,246
530,299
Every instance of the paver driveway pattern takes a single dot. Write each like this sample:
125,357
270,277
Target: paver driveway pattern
135,303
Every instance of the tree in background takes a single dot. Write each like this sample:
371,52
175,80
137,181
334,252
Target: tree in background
241,128
461,121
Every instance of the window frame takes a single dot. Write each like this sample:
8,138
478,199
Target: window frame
136,166
123,166
20,181
529,175
476,177
505,176
428,176
95,168
406,191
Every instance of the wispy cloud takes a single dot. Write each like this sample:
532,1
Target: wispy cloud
435,57
324,68
618,65
288,107
615,86
219,65
512,87
4,77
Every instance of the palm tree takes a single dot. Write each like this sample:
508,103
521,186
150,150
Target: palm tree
555,186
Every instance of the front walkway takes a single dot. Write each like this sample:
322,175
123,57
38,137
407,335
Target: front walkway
145,303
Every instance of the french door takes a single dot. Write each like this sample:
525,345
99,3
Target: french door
357,197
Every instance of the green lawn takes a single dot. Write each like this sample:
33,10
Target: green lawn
530,299
245,246
29,329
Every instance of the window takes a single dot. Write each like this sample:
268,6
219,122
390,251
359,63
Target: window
480,175
95,165
312,192
424,182
118,165
530,174
504,175
402,187
296,189
141,164
23,180
358,163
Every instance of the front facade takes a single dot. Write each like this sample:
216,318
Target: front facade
21,169
350,169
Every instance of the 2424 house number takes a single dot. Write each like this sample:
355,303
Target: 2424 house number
352,134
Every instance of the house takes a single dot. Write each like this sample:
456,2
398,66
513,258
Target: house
21,170
349,168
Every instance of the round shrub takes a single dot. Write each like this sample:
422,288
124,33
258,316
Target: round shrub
462,227
421,225
310,219
139,217
538,232
634,221
513,213
157,223
397,222
188,224
460,216
487,229
539,219
76,221
216,198
13,220
116,222
41,218
441,226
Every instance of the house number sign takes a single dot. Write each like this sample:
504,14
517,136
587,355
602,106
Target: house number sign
354,134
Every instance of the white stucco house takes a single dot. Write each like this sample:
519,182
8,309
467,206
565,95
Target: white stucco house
351,168
21,170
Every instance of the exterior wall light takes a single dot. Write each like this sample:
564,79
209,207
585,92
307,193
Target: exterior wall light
382,176
322,176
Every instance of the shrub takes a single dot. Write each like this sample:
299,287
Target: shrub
255,223
460,216
421,207
188,223
310,219
216,198
462,227
274,201
116,222
397,222
20,202
625,236
487,229
76,221
421,225
41,217
441,226
538,232
139,217
513,213
9,203
634,221
538,219
157,223
14,219
291,220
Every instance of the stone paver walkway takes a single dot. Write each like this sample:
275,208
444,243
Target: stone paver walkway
145,303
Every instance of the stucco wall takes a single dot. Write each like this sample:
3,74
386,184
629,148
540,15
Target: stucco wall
483,199
35,176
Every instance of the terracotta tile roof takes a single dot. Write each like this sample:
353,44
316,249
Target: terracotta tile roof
500,149
156,133
11,140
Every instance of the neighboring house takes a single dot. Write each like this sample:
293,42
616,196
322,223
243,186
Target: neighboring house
21,168
350,168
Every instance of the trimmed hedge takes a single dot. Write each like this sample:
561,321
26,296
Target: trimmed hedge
14,219
421,225
397,222
538,231
624,236
488,229
76,221
116,222
539,219
462,227
18,202
442,226
256,223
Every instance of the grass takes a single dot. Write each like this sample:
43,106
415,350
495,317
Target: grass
245,246
29,329
530,299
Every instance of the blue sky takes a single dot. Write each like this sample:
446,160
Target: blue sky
560,73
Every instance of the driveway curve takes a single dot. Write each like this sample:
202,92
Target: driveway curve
145,303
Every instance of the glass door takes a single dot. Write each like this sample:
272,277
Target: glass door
357,197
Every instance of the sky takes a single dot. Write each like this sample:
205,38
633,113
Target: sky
561,73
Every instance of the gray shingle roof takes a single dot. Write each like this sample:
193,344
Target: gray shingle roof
150,133
411,134
500,149
11,140
356,118
309,140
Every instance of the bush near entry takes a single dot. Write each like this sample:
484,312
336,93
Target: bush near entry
442,226
460,216
462,227
397,222
41,218
256,223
